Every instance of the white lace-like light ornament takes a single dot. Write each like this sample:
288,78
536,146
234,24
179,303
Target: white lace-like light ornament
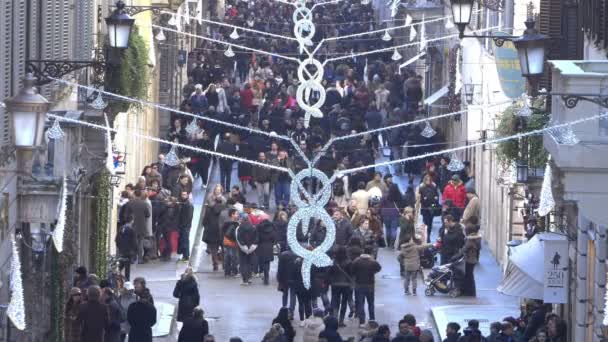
192,127
234,34
396,55
546,202
455,164
387,37
313,208
428,130
229,53
413,33
525,110
16,306
172,21
564,136
408,20
59,231
160,36
449,23
171,158
109,149
99,103
394,6
55,132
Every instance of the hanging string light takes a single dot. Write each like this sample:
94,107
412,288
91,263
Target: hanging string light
449,23
387,37
564,135
428,131
525,110
546,202
172,21
229,53
59,230
234,34
16,306
396,55
99,103
413,33
109,150
408,20
55,132
455,164
192,127
160,36
171,158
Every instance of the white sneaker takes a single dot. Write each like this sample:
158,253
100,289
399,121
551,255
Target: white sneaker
302,324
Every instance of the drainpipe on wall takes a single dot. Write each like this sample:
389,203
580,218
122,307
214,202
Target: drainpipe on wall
580,310
600,282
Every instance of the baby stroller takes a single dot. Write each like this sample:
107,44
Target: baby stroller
428,257
446,278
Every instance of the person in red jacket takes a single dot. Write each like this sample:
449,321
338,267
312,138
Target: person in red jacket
455,192
247,98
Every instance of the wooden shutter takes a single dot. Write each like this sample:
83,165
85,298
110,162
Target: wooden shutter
19,42
571,40
6,33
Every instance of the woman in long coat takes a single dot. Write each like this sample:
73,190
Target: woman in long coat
186,289
141,317
71,325
212,235
265,252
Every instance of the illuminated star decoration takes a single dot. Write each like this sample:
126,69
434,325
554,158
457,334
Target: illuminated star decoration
16,306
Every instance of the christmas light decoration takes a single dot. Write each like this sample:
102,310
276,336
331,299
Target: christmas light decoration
564,136
387,37
546,202
16,306
61,217
98,103
455,164
109,150
234,34
428,131
229,53
171,158
192,127
160,36
525,110
55,132
396,55
413,33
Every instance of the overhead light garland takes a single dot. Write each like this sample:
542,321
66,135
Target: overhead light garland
109,150
546,202
160,36
192,127
171,158
428,131
387,37
16,306
229,53
564,136
235,34
99,103
59,230
55,132
396,55
455,164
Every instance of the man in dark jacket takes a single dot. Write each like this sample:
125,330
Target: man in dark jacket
112,333
364,270
452,239
93,316
140,210
261,177
265,251
344,228
126,244
141,316
185,221
286,278
451,332
228,148
247,239
231,256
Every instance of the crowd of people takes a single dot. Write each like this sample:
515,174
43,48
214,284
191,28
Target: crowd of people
369,208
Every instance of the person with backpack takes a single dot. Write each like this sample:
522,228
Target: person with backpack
126,245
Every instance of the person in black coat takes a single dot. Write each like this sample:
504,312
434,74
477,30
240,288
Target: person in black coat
247,239
286,277
283,319
331,334
186,211
280,228
167,224
126,244
265,252
452,239
195,328
212,235
226,147
186,289
141,316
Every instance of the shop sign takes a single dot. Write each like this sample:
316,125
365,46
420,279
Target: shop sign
512,82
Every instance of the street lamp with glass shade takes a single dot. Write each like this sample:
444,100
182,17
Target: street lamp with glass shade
461,14
522,172
119,26
27,111
531,47
469,92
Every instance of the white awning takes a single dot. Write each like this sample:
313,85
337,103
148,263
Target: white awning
436,96
525,271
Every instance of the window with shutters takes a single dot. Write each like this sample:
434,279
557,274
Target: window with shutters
6,30
595,24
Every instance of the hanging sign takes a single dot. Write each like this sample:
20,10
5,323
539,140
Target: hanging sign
556,271
512,82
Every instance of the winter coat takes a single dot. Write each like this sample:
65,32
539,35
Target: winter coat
456,193
364,270
141,317
285,271
126,241
278,175
71,325
331,334
354,251
312,328
452,338
471,248
261,174
410,256
344,231
193,330
169,218
186,289
406,229
288,331
267,239
452,240
141,211
94,317
247,237
472,209
227,148
116,318
339,274
186,211
366,236
280,228
212,234
154,176
124,301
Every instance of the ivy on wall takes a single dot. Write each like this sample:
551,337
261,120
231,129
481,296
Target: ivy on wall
101,216
510,124
130,77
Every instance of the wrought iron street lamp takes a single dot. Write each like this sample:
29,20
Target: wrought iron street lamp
119,25
27,111
531,47
461,14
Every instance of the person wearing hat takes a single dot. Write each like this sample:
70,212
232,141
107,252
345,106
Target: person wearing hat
71,325
456,193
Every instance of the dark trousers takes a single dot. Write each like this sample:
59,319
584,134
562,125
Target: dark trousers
183,245
363,294
281,193
231,260
391,225
427,219
125,263
339,301
304,304
204,170
265,268
468,286
225,176
246,265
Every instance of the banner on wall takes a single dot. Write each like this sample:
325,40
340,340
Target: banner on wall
556,267
513,84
